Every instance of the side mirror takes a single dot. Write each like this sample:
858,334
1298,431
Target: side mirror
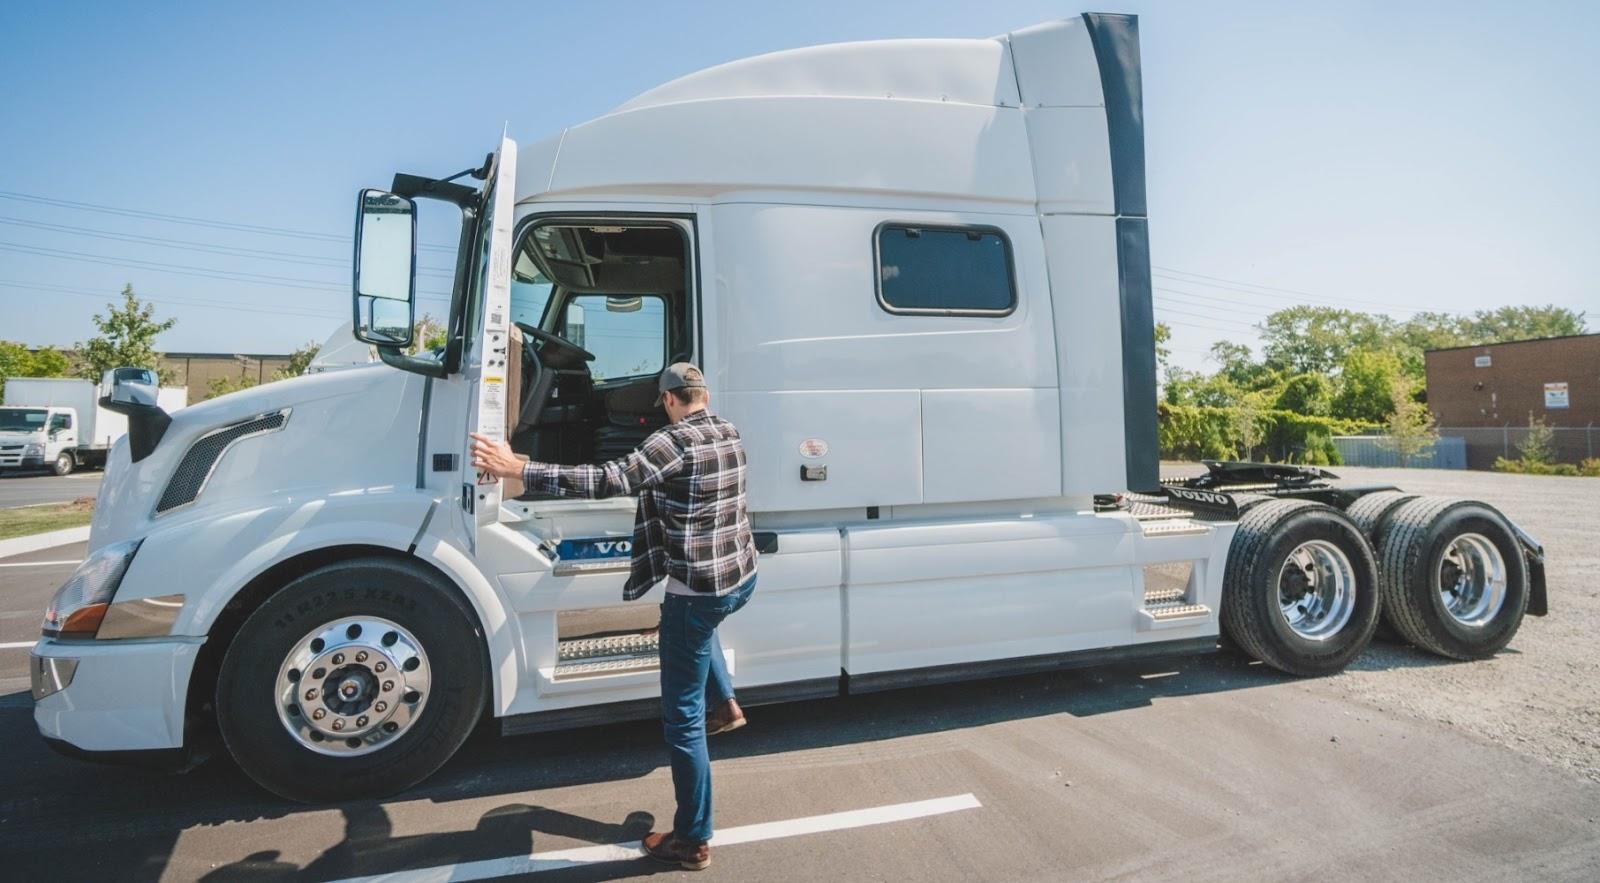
385,288
133,387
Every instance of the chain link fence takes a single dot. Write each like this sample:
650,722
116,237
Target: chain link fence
1473,447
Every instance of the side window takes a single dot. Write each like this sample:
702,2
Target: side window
626,333
945,271
60,421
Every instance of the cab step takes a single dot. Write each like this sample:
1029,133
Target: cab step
607,655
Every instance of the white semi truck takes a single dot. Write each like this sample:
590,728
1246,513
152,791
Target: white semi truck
916,275
56,423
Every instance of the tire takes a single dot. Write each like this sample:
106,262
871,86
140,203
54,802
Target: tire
1373,510
1328,632
1434,541
431,709
64,464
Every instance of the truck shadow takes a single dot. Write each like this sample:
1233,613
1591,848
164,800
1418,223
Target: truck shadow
163,807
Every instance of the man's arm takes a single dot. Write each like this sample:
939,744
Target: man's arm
657,459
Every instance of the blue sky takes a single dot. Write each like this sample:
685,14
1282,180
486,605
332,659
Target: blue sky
1373,155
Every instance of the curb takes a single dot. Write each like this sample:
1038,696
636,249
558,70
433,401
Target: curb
46,540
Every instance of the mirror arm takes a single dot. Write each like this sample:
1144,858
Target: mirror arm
394,358
414,186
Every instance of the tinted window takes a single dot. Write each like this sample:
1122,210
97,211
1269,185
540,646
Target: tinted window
60,421
944,270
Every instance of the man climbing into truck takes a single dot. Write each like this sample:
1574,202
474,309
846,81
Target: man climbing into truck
692,531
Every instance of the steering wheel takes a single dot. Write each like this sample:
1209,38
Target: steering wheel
557,352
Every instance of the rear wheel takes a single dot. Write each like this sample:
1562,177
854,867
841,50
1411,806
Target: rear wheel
63,464
1371,511
358,679
1453,576
1300,589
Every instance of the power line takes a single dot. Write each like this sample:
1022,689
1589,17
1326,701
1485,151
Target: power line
200,272
206,247
161,299
191,221
1267,290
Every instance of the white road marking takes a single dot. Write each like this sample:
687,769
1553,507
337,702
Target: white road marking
620,852
18,645
41,563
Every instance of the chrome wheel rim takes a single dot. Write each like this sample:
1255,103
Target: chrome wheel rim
352,686
1472,580
1317,590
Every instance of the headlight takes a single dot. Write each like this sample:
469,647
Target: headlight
81,602
33,450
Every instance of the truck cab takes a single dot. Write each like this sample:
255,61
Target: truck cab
916,276
38,438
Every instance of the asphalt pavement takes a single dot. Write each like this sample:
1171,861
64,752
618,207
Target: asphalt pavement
1207,768
30,488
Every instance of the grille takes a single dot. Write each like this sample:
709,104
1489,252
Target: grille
202,456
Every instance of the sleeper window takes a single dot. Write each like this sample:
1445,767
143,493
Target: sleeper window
944,270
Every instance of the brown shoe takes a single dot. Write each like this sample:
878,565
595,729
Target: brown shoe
668,848
724,718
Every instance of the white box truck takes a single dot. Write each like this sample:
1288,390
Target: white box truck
916,275
57,423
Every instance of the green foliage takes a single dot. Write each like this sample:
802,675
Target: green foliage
221,386
1163,351
1315,340
1201,433
1411,425
427,335
127,337
1365,386
1538,445
1589,467
17,360
299,361
1308,394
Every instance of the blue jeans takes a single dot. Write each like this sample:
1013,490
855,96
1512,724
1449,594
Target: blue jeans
694,672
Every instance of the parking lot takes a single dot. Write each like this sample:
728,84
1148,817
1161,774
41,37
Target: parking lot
1404,767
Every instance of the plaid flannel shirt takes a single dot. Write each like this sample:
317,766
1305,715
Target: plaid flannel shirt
691,523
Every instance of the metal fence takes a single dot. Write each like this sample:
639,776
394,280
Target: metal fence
1373,450
1474,447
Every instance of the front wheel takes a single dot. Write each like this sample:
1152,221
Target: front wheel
358,679
1300,591
63,464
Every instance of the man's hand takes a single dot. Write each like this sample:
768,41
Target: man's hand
495,457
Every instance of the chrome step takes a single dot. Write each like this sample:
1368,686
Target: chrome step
1176,610
612,654
1168,527
1164,596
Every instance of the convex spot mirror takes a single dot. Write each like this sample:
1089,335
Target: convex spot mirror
130,386
385,268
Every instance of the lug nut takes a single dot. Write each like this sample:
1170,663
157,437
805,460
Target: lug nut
319,714
338,659
381,707
388,685
338,724
361,721
362,656
311,693
381,667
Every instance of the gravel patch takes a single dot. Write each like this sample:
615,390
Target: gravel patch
1541,695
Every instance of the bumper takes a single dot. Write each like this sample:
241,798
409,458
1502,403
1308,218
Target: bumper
14,461
120,696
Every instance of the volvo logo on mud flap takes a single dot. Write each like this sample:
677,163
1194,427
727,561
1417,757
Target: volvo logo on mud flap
594,548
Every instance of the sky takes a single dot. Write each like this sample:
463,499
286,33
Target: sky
1389,157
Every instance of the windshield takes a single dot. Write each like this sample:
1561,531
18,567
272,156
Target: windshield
21,419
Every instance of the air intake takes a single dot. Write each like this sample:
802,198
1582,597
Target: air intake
202,457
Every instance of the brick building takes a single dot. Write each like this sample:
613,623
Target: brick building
1487,394
197,370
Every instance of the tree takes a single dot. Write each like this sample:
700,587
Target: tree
299,361
1310,395
1163,350
17,360
1366,386
1525,323
221,386
427,335
1315,340
127,337
1411,424
1246,425
1538,446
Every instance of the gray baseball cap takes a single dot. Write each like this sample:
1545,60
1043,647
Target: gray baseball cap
679,375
